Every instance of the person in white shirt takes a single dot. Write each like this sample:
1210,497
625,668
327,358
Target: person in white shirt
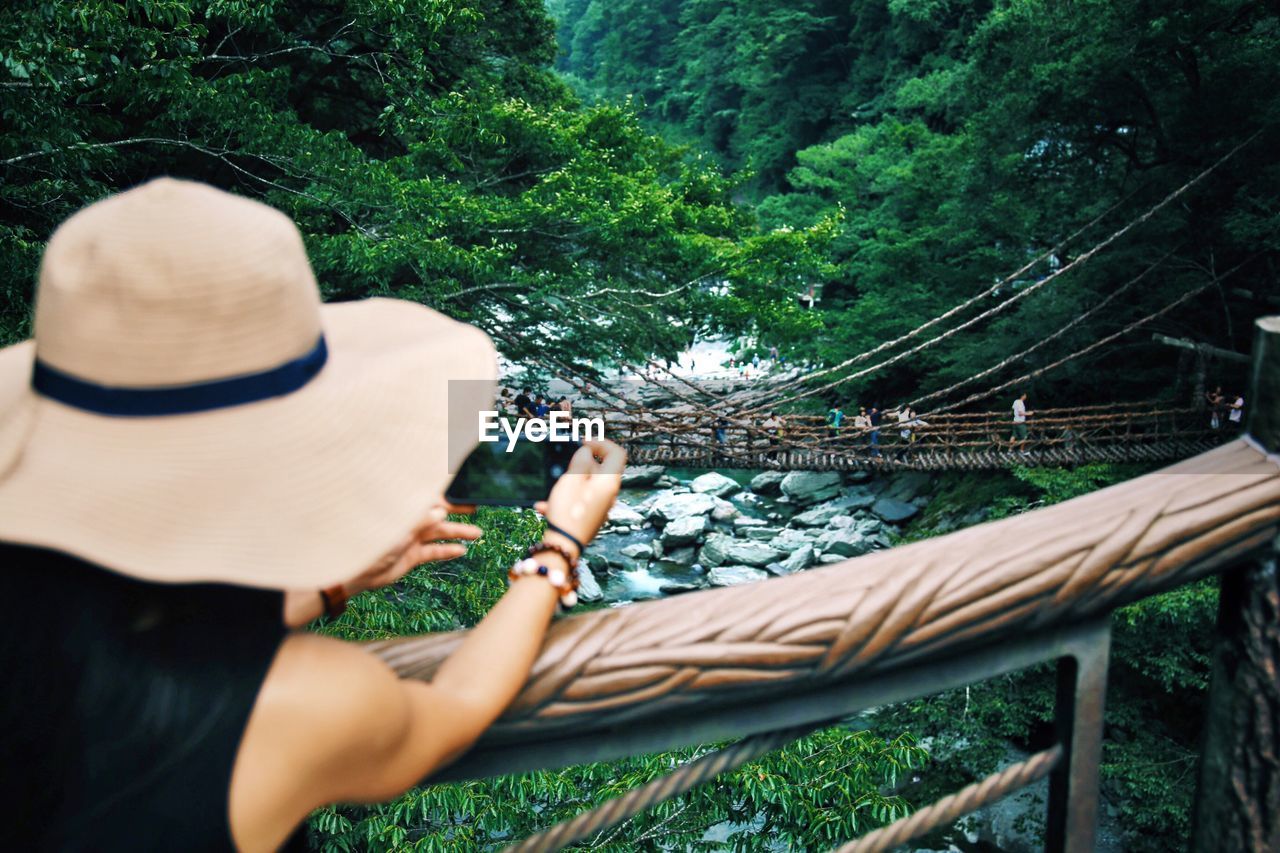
1020,415
1236,413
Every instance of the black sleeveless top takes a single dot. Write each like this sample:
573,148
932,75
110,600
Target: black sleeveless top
124,704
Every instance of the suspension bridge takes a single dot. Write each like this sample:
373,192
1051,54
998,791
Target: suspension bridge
1135,432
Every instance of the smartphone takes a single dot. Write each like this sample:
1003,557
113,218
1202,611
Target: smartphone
505,474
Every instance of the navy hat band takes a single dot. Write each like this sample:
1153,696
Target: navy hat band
179,399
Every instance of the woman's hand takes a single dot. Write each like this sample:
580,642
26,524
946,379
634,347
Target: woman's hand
581,499
424,545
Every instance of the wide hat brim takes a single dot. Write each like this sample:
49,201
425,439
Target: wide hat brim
300,491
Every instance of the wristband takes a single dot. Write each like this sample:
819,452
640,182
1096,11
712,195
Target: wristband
555,528
335,600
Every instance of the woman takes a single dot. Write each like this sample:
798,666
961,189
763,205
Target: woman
196,454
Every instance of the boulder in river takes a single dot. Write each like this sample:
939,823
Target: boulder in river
767,483
894,511
720,549
846,543
715,483
797,561
623,515
734,575
682,556
789,539
641,475
638,550
588,588
668,507
908,485
818,516
810,487
684,530
857,497
724,511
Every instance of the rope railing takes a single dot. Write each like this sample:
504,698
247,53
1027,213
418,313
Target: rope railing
967,800
673,658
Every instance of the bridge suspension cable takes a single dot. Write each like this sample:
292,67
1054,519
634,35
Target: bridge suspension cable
1019,356
1098,343
1083,258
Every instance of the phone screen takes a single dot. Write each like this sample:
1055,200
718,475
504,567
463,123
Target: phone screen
493,476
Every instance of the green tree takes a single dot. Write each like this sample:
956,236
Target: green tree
425,148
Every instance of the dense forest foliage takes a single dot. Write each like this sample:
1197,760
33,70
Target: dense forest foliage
426,149
959,140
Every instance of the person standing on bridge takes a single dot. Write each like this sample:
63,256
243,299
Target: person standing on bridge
1235,412
1020,415
1215,400
907,423
773,429
524,405
873,420
861,423
835,417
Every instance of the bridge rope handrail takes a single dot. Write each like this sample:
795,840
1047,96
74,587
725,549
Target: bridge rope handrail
679,656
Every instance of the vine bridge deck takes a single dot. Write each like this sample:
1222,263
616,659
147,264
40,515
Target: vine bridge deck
982,440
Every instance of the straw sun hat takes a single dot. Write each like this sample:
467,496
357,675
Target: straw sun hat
189,411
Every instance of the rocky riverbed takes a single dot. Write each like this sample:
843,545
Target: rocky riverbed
676,531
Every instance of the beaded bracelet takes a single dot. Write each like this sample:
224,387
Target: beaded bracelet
564,582
544,545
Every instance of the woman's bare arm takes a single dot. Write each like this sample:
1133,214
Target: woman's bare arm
333,723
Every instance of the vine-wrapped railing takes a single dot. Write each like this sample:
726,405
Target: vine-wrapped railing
771,660
1114,433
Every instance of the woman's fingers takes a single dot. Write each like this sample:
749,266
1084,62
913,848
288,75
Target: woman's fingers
583,461
459,509
540,507
451,530
433,552
613,459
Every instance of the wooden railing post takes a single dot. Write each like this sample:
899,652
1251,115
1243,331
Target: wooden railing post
1073,784
1238,802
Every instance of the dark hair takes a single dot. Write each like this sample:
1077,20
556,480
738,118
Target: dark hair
120,686
526,391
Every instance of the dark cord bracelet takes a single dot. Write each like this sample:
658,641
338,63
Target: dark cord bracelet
555,528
